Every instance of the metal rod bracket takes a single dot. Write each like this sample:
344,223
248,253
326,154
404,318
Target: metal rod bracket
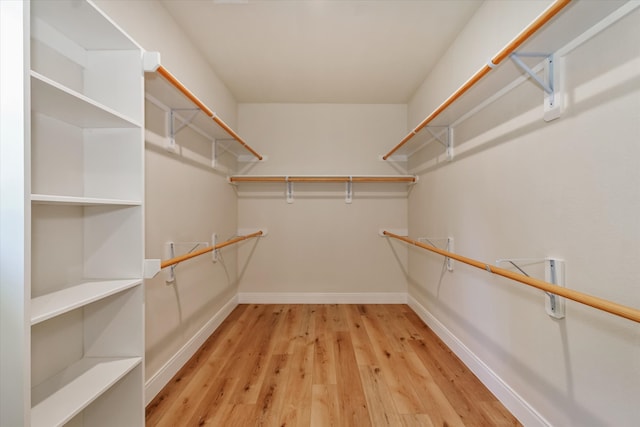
349,191
289,190
549,82
553,273
449,247
169,252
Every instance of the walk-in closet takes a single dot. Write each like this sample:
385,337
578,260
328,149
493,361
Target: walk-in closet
319,213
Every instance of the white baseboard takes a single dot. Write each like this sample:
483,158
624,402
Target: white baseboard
162,377
526,414
322,298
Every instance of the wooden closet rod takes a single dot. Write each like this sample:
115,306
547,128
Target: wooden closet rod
322,179
546,16
193,254
175,82
595,302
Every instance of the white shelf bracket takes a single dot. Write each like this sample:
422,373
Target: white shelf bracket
214,253
445,139
289,191
449,145
169,272
214,153
349,191
549,82
449,247
553,273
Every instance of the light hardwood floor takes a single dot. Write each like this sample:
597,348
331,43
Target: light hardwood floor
325,365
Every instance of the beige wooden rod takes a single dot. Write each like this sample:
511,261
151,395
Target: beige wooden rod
408,179
546,16
182,88
193,254
595,302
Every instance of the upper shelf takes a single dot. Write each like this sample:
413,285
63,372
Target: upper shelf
563,22
167,90
56,100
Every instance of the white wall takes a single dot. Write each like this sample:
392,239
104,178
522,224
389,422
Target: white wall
185,200
520,187
320,244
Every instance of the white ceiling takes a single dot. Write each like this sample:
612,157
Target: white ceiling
322,51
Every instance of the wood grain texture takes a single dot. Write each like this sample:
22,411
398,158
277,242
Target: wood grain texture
325,365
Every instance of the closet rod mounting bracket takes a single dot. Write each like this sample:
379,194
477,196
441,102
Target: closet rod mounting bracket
550,82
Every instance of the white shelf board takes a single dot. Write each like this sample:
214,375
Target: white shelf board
82,22
56,303
64,395
50,199
577,18
55,100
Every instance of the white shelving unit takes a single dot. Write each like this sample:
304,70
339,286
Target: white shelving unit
84,154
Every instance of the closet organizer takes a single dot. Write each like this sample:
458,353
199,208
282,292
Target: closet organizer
552,33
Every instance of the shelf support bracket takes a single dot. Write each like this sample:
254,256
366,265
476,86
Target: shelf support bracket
553,273
549,82
169,252
349,191
289,190
446,142
449,248
173,130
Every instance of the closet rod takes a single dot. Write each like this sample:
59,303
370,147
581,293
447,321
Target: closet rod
595,302
546,16
175,260
182,88
408,179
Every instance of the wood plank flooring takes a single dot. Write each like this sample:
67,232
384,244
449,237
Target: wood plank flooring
325,365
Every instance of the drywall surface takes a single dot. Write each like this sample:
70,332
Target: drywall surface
523,188
186,201
319,243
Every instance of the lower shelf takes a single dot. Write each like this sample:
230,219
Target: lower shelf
60,398
47,306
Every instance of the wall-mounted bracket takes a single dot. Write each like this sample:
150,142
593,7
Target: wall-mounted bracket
554,273
289,190
445,139
171,128
215,252
441,134
549,82
449,247
349,190
169,252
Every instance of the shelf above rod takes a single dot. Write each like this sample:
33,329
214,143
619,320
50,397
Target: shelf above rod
626,312
175,260
327,178
524,35
186,92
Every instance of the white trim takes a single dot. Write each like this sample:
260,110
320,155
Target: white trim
322,298
524,412
155,384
